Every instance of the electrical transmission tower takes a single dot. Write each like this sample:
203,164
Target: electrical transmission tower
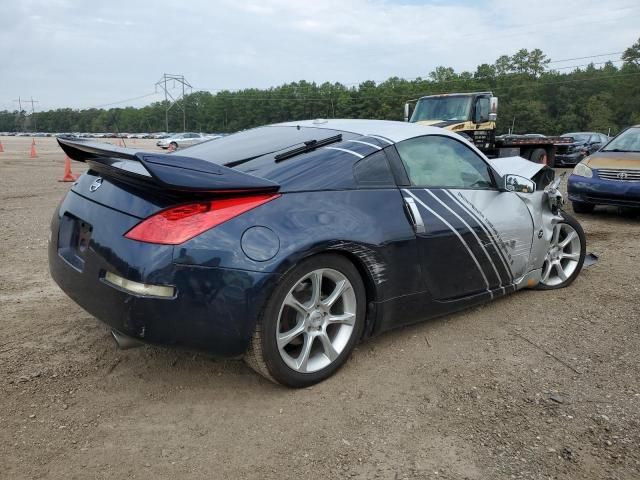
19,121
33,112
171,100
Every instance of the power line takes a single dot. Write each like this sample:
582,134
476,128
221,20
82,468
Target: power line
232,90
124,101
587,64
584,58
279,95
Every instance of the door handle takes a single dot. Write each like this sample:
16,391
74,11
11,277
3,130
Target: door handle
414,213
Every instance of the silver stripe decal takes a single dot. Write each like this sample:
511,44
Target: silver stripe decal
366,143
473,257
473,232
380,138
492,239
345,150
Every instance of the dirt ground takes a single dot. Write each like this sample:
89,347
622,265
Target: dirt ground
538,385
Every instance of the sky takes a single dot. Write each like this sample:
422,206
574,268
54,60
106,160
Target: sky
82,54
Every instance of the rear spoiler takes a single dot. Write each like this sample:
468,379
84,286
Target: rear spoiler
167,172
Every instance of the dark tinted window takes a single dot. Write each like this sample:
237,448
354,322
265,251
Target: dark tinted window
255,142
438,161
373,171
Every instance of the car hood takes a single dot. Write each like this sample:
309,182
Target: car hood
442,123
515,166
623,160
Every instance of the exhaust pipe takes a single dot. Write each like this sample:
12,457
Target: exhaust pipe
125,342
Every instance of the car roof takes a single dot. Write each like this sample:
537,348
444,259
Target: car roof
391,130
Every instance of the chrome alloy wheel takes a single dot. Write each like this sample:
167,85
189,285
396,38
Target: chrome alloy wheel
563,256
316,320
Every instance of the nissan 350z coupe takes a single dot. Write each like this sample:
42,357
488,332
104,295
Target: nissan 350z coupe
288,244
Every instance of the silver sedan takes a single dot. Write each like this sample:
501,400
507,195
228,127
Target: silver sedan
182,140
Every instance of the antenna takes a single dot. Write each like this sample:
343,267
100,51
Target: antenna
177,100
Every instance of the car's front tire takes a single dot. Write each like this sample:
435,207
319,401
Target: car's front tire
565,256
581,207
311,322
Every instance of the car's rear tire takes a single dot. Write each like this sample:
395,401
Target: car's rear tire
173,146
311,322
565,257
581,207
539,155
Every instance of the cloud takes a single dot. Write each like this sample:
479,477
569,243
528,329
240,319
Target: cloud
79,54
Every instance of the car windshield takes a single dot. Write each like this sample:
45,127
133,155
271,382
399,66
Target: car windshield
627,141
442,108
578,137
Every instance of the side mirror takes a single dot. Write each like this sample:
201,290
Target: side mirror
493,109
518,184
408,111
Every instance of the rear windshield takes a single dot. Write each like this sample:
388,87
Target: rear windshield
248,144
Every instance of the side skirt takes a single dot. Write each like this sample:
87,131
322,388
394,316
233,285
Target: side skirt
412,309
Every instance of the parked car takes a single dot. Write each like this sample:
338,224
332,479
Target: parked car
181,140
288,244
158,135
610,176
584,144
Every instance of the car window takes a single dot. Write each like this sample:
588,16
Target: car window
438,161
373,171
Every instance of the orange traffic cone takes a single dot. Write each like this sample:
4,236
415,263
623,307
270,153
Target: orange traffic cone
1,147
34,154
68,175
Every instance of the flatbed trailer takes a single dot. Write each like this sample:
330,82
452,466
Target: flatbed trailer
474,115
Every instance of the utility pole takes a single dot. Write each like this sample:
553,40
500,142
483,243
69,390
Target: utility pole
20,123
175,100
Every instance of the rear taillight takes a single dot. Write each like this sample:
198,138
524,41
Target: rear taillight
176,225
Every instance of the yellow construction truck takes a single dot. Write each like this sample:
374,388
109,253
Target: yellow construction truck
474,115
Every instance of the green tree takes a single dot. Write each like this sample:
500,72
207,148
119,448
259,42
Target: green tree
600,116
632,54
442,74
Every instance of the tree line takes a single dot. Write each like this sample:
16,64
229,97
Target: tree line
533,98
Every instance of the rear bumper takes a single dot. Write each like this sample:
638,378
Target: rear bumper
603,192
214,309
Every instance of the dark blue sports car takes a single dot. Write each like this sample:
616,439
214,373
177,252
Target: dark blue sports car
288,244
